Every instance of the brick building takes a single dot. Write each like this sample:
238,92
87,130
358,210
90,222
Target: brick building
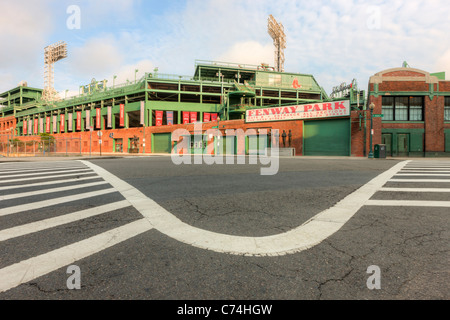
415,109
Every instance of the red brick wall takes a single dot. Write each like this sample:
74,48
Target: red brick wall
6,124
434,125
433,109
107,147
403,86
403,73
359,133
444,86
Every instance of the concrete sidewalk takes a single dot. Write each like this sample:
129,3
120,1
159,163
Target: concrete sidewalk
71,158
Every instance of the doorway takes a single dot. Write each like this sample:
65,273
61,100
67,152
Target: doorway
403,145
118,145
386,139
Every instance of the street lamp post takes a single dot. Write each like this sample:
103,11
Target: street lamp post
371,107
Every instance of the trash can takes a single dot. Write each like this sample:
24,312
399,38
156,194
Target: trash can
380,151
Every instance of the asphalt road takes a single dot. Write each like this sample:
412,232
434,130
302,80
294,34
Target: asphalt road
409,244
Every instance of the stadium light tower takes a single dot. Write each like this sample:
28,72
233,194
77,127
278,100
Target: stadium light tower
276,31
52,54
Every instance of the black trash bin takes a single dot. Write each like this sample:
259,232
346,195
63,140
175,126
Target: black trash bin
380,151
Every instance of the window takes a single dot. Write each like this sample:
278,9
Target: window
447,109
402,108
388,108
416,109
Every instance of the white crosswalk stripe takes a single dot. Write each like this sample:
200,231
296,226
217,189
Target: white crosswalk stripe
29,187
35,193
47,203
421,173
42,172
79,173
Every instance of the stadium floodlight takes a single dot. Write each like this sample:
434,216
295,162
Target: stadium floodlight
52,54
276,31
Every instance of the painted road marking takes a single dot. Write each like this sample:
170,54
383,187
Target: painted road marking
27,270
432,174
58,221
47,203
311,233
424,171
10,171
46,177
408,203
40,173
52,190
54,182
415,189
413,203
80,172
420,180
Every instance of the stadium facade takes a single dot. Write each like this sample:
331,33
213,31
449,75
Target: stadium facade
141,116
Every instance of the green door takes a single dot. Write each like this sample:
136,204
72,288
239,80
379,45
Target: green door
118,145
326,137
403,145
447,141
257,145
386,138
228,142
162,143
198,146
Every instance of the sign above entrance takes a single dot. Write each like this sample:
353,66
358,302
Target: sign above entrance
300,112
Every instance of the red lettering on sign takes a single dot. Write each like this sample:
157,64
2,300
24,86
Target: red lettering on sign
339,105
276,111
327,106
266,112
308,107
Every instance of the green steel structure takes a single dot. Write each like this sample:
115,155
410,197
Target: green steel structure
228,89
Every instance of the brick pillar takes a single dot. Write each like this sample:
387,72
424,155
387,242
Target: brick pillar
434,124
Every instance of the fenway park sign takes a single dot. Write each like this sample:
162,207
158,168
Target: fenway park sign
301,112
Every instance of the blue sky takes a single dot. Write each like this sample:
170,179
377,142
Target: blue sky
334,40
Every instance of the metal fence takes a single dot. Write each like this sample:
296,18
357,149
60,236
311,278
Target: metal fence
41,147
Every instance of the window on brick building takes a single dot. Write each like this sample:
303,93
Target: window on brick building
388,108
402,108
447,109
416,109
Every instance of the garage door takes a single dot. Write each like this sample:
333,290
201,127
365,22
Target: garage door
162,143
327,138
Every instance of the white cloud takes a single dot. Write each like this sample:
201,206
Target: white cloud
328,39
127,72
443,64
23,27
249,52
98,57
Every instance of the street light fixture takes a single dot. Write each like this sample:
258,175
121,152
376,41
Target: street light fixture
371,107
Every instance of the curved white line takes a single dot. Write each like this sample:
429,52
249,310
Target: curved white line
311,233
